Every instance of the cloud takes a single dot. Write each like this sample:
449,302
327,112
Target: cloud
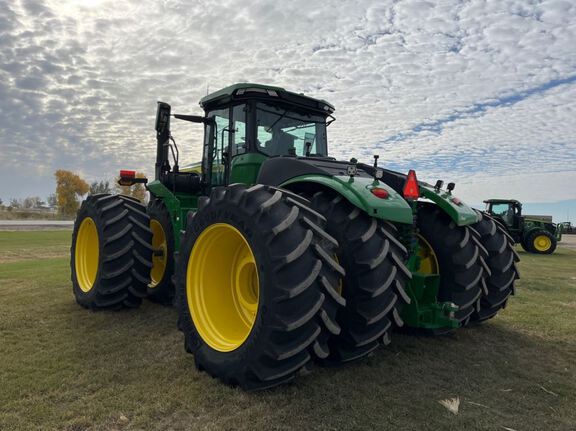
478,92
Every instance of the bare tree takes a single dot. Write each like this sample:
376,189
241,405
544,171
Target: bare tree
32,202
100,187
52,201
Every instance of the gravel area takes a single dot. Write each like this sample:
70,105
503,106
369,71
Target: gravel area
568,241
35,224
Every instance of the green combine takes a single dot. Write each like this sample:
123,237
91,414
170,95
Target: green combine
278,255
536,234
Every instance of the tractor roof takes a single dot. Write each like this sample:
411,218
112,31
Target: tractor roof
248,90
501,201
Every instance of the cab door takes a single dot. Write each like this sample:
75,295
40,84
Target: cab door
225,139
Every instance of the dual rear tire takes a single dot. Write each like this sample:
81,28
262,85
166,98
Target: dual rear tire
111,255
375,281
477,263
256,286
501,260
457,256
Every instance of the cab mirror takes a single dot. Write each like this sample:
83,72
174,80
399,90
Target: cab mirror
162,117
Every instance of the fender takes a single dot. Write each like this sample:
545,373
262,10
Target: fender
295,173
458,211
357,191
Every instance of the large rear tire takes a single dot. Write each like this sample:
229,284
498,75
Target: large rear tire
256,281
461,265
374,285
161,288
111,255
501,259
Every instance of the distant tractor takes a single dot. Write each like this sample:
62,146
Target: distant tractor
568,227
278,255
536,234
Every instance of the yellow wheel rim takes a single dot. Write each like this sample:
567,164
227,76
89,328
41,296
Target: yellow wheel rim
86,254
222,287
428,259
542,243
160,256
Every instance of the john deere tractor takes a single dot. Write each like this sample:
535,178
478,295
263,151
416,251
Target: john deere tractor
536,234
278,255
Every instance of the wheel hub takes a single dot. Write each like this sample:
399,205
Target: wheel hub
542,243
428,260
160,247
87,254
222,287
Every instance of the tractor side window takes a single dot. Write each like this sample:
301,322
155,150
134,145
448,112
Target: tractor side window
505,211
217,137
239,129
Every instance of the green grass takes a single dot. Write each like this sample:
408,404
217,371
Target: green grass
62,367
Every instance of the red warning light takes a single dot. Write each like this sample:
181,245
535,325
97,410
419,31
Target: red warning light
379,193
127,174
411,190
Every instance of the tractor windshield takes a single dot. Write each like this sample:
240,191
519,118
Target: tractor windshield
283,131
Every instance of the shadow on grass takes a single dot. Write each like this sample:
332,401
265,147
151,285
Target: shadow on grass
503,377
68,368
497,373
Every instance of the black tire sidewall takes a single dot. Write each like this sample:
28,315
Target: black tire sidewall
445,237
251,347
87,209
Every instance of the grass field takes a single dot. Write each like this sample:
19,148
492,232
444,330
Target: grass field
62,367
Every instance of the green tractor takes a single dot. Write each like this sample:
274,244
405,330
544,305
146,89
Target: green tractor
536,234
278,255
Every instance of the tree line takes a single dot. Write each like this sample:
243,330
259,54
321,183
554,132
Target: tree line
70,190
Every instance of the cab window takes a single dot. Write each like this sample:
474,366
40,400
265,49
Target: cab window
239,130
283,131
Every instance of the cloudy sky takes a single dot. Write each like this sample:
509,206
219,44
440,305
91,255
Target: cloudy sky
478,92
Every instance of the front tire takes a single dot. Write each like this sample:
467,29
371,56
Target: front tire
256,286
111,255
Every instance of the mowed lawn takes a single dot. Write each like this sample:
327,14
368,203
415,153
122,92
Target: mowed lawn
63,367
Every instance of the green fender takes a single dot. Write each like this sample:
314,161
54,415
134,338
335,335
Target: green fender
357,191
458,211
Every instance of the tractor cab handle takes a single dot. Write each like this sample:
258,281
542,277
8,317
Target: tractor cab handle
193,118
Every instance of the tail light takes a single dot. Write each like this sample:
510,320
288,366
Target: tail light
380,193
127,178
411,191
127,174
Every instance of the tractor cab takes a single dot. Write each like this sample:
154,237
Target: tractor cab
536,234
507,210
244,124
